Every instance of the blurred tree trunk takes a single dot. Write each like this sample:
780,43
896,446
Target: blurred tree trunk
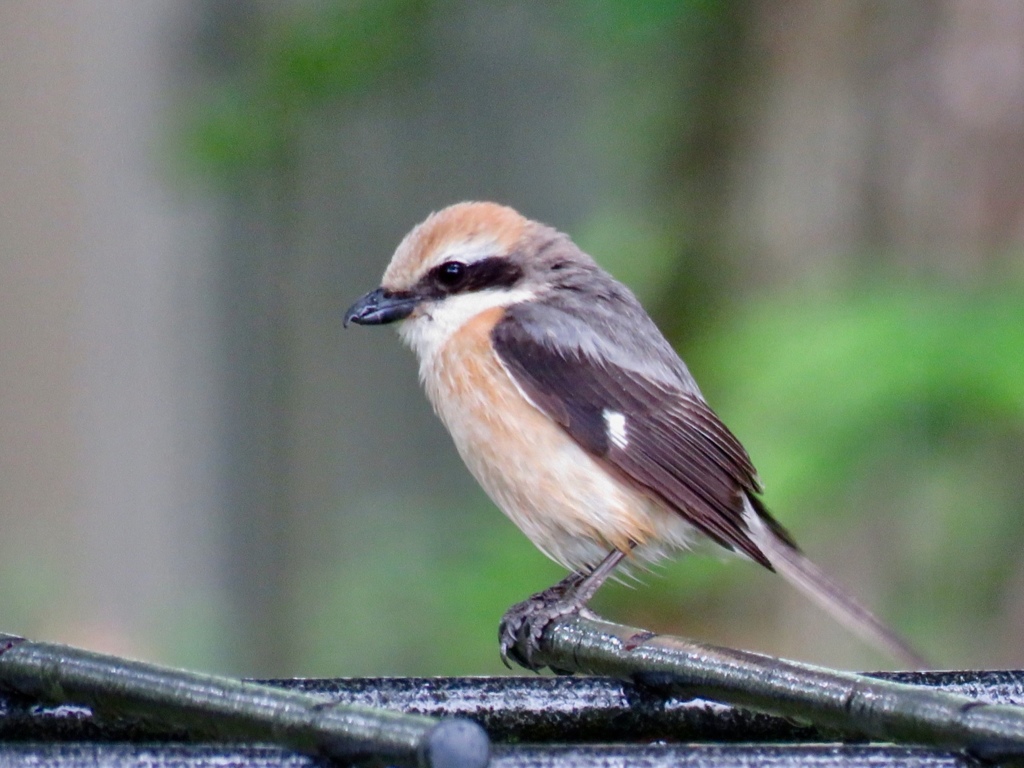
879,130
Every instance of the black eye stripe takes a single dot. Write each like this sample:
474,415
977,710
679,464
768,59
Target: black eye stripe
491,272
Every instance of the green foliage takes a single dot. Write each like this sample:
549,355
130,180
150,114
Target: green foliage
426,600
296,62
619,25
814,385
891,417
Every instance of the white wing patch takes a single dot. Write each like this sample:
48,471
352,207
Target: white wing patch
615,424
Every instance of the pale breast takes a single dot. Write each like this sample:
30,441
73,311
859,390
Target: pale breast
555,492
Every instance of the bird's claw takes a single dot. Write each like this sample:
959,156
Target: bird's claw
523,624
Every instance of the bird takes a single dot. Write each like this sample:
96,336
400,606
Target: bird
577,416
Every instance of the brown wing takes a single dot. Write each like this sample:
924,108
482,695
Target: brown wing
673,445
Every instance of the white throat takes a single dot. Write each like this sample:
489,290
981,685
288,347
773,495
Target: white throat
428,329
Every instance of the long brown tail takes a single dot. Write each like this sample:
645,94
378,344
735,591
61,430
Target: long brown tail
822,589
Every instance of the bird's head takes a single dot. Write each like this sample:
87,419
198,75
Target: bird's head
459,262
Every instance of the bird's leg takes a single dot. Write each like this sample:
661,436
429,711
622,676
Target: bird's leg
527,620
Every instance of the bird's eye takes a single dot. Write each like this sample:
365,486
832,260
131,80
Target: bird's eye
451,273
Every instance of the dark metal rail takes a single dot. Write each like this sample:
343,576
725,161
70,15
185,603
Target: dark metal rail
93,754
70,707
535,721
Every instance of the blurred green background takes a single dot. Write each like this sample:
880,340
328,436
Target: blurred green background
822,204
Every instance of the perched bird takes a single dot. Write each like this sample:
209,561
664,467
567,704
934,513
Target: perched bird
575,414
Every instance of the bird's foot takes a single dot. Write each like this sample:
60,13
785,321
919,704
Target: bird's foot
523,624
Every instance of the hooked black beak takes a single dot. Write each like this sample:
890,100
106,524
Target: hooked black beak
380,307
